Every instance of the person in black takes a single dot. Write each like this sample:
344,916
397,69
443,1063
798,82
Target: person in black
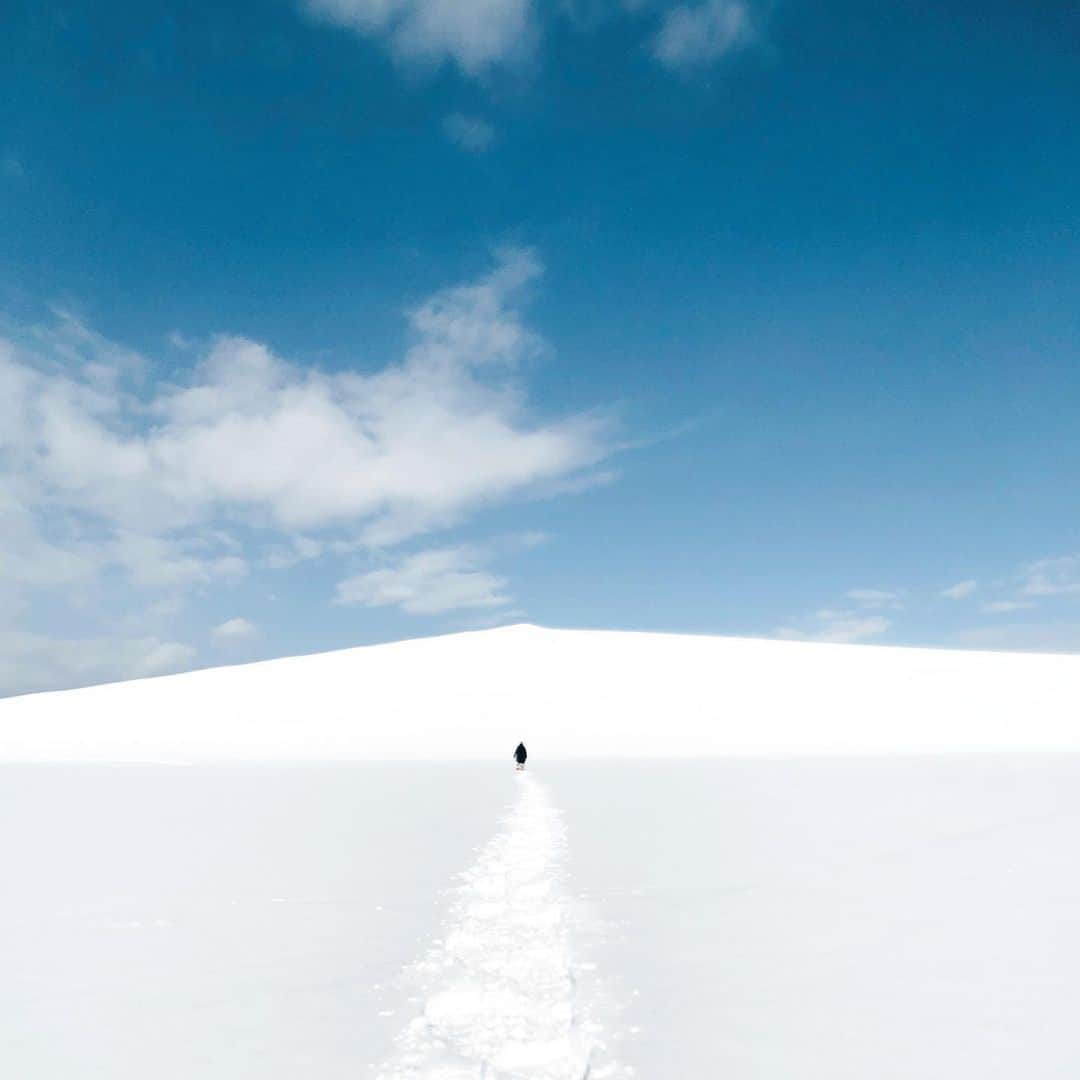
520,754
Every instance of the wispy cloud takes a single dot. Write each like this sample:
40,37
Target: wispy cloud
997,607
476,35
1041,579
480,36
692,36
846,624
233,630
874,598
469,132
429,583
836,625
961,590
1052,577
11,166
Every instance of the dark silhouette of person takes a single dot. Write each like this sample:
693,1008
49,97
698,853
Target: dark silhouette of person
520,754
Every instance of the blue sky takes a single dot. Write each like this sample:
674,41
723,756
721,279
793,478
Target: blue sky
335,322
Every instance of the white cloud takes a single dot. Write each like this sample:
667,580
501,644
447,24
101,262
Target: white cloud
11,166
401,451
692,36
475,34
846,625
999,606
110,481
429,583
469,132
1052,577
960,590
233,630
874,598
838,626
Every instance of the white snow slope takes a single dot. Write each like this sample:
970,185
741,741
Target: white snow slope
575,693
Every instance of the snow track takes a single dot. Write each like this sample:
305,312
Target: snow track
499,991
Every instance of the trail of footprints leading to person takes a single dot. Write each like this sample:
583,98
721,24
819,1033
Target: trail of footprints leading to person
499,992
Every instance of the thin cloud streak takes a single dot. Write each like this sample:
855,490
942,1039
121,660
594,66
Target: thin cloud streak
961,590
429,583
471,133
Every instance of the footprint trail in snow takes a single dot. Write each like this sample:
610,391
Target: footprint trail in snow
500,992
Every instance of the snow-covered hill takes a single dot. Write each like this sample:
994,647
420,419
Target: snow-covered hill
567,693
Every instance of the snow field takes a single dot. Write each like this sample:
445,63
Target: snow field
499,993
789,919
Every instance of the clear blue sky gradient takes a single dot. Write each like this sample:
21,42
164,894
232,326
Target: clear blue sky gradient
829,285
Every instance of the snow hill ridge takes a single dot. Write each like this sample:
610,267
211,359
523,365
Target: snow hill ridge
567,693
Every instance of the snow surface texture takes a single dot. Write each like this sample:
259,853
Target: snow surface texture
573,693
772,919
500,994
